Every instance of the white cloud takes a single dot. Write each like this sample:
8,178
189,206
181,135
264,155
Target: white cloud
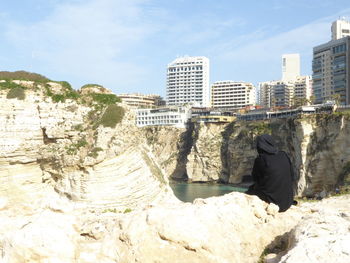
87,40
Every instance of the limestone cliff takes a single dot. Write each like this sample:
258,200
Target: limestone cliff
61,144
317,144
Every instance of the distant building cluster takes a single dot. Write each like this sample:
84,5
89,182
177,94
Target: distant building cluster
190,97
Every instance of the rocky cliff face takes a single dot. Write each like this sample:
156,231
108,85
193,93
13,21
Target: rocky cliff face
317,144
58,144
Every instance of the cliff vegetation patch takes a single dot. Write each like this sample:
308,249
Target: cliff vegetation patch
94,152
23,75
112,116
74,147
16,93
67,93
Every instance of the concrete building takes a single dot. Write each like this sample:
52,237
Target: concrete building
141,101
340,28
330,66
303,87
232,95
291,90
290,66
277,94
210,115
188,81
166,116
265,94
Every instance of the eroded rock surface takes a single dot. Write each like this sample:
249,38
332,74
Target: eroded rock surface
231,228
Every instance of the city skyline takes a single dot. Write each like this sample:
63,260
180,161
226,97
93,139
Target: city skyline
126,45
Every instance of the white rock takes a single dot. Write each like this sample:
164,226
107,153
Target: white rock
3,202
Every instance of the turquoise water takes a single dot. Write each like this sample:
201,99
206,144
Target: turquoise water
188,192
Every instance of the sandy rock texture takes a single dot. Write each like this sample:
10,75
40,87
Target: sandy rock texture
231,228
323,235
43,142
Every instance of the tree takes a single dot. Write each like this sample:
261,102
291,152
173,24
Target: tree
336,97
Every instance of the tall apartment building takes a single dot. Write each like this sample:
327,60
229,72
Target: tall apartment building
232,95
303,87
290,66
340,28
265,94
188,81
331,64
277,93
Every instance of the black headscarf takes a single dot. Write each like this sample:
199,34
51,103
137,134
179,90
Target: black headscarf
265,143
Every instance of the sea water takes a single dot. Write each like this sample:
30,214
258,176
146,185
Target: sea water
187,192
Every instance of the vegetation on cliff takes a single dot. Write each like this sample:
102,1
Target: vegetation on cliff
112,116
23,75
16,93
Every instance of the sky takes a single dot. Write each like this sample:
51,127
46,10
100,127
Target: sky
125,45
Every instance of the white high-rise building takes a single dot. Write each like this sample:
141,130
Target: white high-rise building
340,28
331,64
290,66
232,95
188,81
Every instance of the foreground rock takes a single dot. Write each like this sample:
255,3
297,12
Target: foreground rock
231,228
323,235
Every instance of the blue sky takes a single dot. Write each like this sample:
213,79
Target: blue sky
126,45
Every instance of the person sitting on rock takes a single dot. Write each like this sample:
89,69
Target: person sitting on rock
272,174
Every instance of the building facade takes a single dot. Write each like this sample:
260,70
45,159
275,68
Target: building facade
291,90
303,88
330,67
142,101
276,94
188,81
290,66
265,94
340,28
286,93
166,116
232,95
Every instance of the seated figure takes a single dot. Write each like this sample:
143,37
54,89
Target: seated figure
272,174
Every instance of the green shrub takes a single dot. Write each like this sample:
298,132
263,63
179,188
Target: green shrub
9,85
78,127
91,85
74,147
112,115
16,93
23,75
259,127
81,143
94,152
127,210
65,85
58,98
69,92
72,94
106,99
